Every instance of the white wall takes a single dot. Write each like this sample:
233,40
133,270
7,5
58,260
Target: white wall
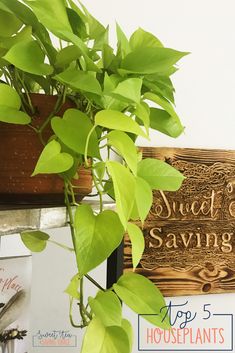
205,96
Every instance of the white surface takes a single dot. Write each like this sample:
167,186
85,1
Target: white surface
205,97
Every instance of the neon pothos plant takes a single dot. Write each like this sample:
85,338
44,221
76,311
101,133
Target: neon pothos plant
119,95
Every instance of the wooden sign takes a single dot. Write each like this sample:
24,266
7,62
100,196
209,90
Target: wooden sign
190,234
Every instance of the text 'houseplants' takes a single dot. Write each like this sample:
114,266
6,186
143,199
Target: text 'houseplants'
58,48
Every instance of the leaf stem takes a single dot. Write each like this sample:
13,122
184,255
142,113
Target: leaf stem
61,245
86,146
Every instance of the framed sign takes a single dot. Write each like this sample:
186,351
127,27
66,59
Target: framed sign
189,234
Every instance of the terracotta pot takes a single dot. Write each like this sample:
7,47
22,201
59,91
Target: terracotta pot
20,148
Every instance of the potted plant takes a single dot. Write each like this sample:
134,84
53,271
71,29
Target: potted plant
58,48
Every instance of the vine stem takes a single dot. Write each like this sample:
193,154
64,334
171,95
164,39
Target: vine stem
86,146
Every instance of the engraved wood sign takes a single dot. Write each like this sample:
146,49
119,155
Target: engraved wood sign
190,234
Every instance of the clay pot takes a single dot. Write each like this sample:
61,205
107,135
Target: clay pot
20,148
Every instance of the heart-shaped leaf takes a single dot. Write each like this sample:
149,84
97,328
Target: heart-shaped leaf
124,188
52,14
80,80
73,131
9,97
35,241
96,237
150,60
162,121
129,90
143,297
28,56
9,23
112,119
143,200
107,307
142,39
125,147
52,161
160,175
13,116
108,339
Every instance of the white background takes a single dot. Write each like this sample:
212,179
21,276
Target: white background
205,96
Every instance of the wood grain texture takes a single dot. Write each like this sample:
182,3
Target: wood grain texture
190,234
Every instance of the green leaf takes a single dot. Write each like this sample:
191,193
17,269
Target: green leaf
72,288
142,39
76,23
142,111
9,24
24,35
52,14
9,97
165,105
96,29
107,307
73,131
67,55
80,80
96,237
129,90
107,339
112,119
123,42
28,56
143,297
126,325
143,199
52,160
125,147
99,169
35,241
150,60
160,175
124,188
13,116
137,243
162,121
22,12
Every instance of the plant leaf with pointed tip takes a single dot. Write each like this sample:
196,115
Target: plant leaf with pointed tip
143,297
108,339
129,90
96,237
80,80
137,243
9,97
150,60
143,200
107,307
124,188
35,241
162,121
112,119
13,116
52,160
125,147
28,56
9,24
160,175
165,105
73,131
142,39
52,14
